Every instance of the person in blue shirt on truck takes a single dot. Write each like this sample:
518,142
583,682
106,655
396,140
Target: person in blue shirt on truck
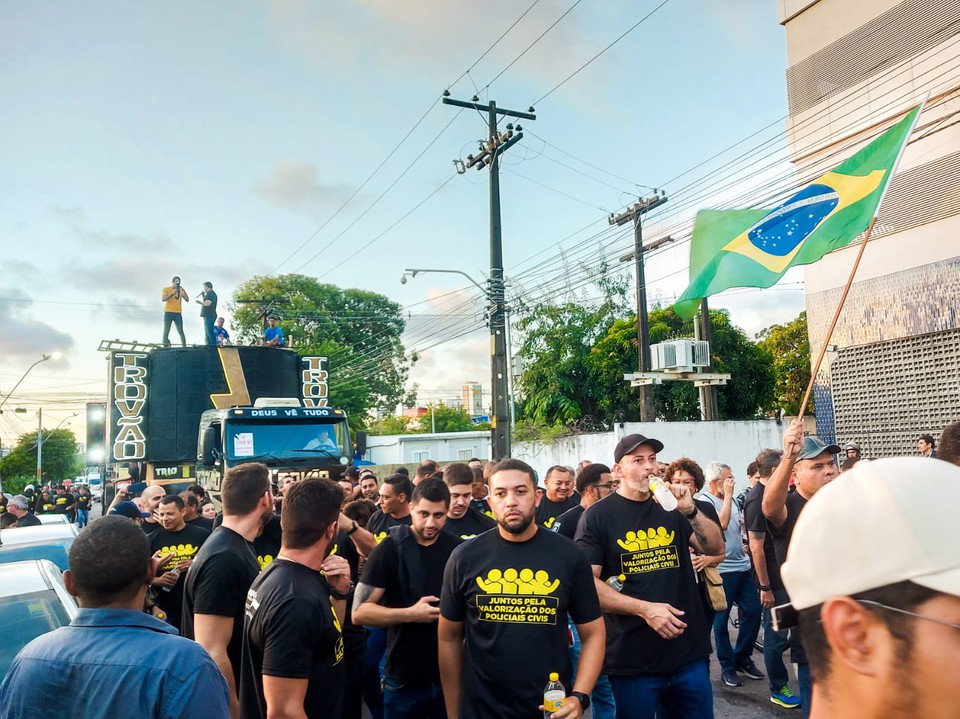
273,335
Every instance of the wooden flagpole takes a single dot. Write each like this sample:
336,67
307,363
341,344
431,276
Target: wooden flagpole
856,264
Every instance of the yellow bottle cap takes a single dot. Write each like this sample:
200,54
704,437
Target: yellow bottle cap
622,577
554,677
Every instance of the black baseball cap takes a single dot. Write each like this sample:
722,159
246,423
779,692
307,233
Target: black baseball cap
631,442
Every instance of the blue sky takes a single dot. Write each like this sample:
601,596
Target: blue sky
211,140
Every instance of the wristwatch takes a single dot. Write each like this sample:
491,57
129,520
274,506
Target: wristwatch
341,595
354,528
584,700
692,514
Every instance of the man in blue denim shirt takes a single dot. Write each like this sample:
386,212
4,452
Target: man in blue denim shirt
113,660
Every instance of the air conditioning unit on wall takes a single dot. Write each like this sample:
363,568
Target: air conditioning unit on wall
679,355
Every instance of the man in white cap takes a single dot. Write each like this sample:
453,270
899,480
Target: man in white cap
812,465
874,573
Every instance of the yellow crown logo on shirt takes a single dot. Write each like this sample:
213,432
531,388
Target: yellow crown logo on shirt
265,560
651,539
512,581
380,537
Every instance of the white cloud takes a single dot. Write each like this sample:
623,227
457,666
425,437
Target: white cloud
295,185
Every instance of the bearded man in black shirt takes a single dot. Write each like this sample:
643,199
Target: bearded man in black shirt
658,640
508,593
223,570
293,654
400,590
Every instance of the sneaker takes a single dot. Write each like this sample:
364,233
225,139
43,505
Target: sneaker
730,678
785,698
750,669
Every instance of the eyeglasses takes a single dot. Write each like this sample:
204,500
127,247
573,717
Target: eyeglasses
612,486
878,605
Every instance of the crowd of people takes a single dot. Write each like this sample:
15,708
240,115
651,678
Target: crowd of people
461,590
214,331
21,510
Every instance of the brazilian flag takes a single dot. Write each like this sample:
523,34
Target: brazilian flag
753,248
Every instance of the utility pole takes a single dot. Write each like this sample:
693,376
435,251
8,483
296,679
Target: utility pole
39,448
708,393
634,214
489,156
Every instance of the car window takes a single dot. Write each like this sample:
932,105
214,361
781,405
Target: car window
56,551
25,617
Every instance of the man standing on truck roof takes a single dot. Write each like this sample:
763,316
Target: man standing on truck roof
208,312
172,298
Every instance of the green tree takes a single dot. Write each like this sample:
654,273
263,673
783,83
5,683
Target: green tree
449,419
358,331
59,456
789,345
391,424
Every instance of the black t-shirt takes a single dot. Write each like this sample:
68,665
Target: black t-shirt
63,501
379,523
83,501
292,632
211,309
566,523
202,522
548,510
185,543
515,598
28,520
781,540
651,546
267,545
411,647
469,525
754,521
482,506
217,583
149,527
353,635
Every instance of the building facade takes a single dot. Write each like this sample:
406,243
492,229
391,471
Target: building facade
892,370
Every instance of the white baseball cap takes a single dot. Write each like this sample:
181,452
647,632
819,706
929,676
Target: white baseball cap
883,522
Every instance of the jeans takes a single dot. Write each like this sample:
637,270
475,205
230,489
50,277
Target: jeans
176,319
740,589
685,692
376,648
774,645
208,326
806,688
601,699
83,515
400,702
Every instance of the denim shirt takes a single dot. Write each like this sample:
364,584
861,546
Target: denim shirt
113,663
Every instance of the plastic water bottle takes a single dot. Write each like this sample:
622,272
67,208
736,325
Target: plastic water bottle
663,494
553,695
175,572
616,581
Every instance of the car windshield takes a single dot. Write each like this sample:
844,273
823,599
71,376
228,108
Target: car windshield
24,617
247,441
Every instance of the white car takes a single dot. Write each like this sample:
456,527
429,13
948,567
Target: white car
46,541
33,601
53,519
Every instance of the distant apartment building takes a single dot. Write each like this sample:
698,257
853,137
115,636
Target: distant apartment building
854,69
473,398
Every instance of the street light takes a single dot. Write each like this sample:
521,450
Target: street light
40,440
52,355
413,272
